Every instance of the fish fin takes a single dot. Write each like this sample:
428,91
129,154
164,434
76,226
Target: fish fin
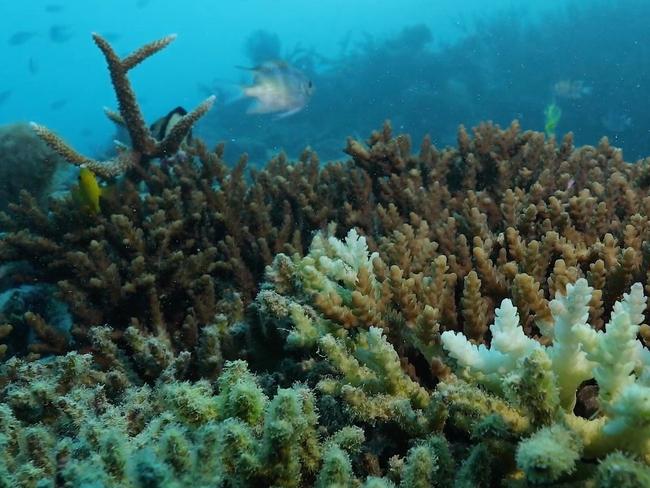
266,66
256,108
288,113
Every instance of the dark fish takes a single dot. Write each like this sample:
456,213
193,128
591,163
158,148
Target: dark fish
20,37
60,33
32,66
54,8
142,3
58,104
161,127
4,96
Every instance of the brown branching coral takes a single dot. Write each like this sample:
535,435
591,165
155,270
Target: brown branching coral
144,147
194,246
203,232
436,240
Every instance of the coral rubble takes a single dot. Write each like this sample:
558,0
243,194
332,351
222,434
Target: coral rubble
446,318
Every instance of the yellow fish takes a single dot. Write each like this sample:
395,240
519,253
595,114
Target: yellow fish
88,191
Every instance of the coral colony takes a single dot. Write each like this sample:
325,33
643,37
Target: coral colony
461,317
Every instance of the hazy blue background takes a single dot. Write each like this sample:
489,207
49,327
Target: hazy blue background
64,84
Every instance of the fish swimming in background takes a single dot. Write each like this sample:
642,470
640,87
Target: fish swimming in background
20,37
552,116
4,96
54,8
278,88
60,33
161,127
571,89
58,104
32,66
87,192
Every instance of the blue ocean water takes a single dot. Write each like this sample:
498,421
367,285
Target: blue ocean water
428,66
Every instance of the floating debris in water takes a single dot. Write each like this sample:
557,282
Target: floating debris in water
552,116
278,87
20,37
60,33
571,89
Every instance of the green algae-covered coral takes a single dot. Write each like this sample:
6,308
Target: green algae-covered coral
64,420
506,418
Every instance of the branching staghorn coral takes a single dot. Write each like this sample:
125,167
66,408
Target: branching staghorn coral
525,234
540,383
144,147
455,231
163,261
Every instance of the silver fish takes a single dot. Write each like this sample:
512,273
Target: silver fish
278,88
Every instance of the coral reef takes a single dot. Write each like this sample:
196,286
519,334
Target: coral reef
67,420
360,295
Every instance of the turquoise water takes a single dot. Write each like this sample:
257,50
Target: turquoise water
60,79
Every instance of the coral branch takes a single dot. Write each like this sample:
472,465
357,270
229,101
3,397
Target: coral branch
144,145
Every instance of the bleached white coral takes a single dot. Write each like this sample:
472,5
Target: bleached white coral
509,346
615,358
570,364
331,262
